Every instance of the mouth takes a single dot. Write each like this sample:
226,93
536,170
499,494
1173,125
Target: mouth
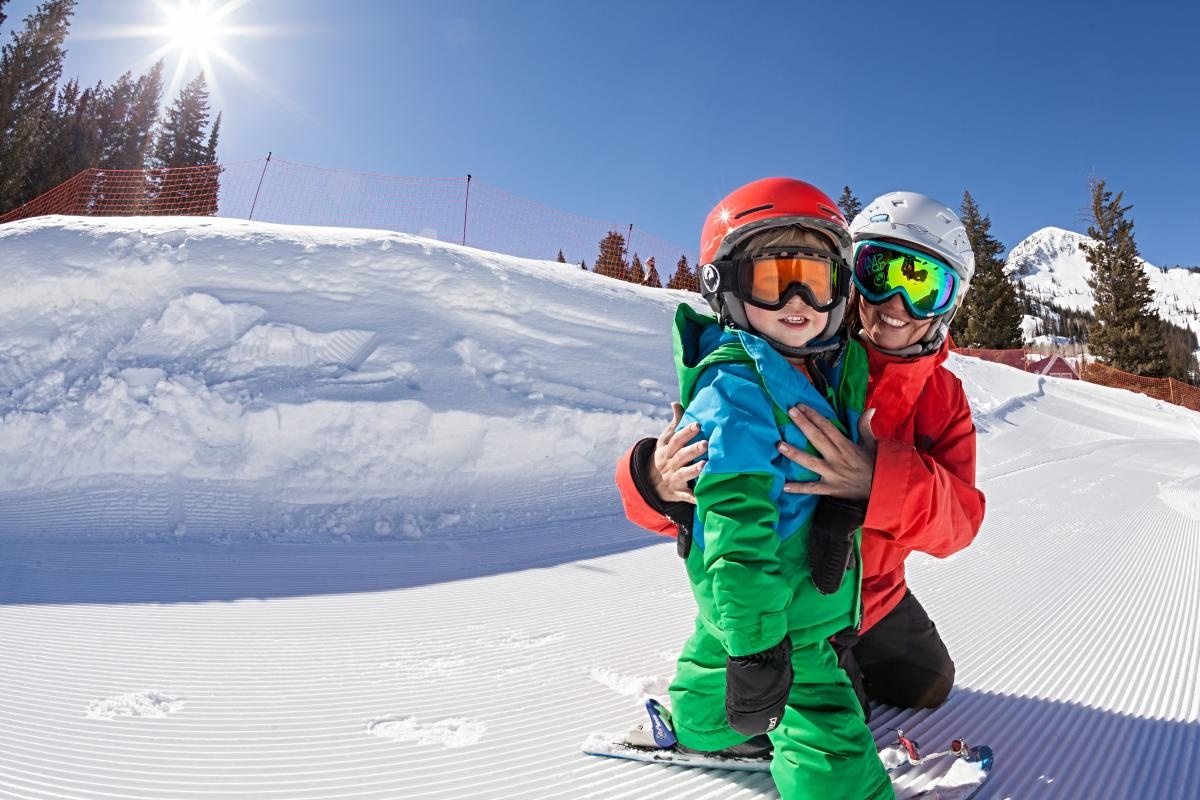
892,322
795,321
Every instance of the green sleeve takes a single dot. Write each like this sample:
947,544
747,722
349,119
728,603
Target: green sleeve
741,556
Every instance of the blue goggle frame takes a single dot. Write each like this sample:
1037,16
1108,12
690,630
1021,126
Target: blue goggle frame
922,262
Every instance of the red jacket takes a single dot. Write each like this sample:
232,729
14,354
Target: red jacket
923,496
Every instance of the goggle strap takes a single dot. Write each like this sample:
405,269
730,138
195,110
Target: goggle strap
720,276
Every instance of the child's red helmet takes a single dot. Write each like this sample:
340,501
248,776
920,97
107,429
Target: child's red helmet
768,203
759,206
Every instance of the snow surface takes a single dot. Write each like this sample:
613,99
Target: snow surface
292,512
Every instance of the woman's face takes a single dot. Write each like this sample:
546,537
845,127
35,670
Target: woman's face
889,325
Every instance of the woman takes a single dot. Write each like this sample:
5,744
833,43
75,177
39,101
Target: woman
914,468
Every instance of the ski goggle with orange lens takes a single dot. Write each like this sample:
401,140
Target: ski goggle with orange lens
927,285
770,278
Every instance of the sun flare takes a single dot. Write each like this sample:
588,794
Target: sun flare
194,29
192,36
195,35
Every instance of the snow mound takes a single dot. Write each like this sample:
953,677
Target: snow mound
222,380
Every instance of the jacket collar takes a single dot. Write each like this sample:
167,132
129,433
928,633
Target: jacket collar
897,383
785,384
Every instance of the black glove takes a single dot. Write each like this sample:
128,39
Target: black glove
641,464
831,541
756,689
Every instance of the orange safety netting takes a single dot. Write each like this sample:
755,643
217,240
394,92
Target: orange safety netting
458,210
1168,389
1012,358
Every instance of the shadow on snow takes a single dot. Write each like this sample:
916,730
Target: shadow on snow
74,570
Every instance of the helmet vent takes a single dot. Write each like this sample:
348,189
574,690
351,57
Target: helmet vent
741,214
828,210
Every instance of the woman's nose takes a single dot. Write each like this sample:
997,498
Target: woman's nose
895,307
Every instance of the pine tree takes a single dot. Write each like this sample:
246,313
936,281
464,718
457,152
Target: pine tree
130,116
1127,332
208,177
849,204
684,278
561,258
2,15
990,316
652,278
582,264
182,143
181,136
72,139
611,261
637,273
1181,347
30,67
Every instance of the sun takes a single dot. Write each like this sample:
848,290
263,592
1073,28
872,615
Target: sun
192,36
194,29
196,32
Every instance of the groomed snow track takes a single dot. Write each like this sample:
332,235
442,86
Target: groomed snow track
474,668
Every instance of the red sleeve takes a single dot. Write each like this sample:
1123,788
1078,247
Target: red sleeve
928,501
639,511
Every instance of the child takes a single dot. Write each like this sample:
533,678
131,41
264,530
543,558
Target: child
776,257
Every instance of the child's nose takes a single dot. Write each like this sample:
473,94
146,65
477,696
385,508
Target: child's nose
796,303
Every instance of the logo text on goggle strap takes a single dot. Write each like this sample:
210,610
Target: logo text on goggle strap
711,278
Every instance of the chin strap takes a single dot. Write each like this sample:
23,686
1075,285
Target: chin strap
824,346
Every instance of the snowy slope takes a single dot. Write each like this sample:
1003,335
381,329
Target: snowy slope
312,513
226,379
1051,267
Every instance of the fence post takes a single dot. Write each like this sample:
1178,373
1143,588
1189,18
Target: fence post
466,206
260,180
83,179
1171,391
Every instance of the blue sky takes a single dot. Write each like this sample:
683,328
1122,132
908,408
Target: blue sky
650,112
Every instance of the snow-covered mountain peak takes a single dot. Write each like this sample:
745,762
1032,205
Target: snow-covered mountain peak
1052,267
1043,249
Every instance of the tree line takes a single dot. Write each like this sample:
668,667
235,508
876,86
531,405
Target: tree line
612,262
51,131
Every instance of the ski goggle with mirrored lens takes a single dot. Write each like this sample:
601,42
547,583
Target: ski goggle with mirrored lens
927,285
770,278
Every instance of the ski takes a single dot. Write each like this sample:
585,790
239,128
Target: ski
956,773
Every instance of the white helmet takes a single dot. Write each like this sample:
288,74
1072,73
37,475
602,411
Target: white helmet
917,220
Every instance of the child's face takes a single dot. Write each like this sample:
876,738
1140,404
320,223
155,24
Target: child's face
795,325
888,325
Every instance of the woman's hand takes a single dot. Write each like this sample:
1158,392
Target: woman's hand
673,467
846,469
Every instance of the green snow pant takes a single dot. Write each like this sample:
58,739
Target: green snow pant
823,747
